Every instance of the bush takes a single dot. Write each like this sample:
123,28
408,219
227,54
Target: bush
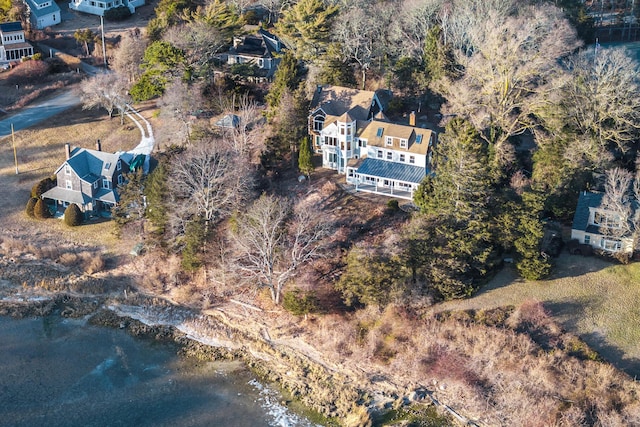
73,215
117,13
30,206
299,303
43,186
40,210
393,206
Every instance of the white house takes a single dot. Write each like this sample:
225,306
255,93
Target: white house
14,46
590,222
96,7
43,13
349,128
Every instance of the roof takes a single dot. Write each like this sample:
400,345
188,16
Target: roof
337,100
8,27
263,44
229,121
66,195
392,170
37,10
89,165
16,46
418,139
585,201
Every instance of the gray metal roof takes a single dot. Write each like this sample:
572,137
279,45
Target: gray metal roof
585,201
36,10
66,195
88,164
392,170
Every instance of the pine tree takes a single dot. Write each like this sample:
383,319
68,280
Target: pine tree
73,215
304,157
40,210
531,264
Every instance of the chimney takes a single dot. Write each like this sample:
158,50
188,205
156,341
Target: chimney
67,150
98,146
412,118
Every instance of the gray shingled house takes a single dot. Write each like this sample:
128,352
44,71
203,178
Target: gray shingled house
89,178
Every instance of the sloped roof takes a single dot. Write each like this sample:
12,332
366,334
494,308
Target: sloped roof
392,170
585,201
337,100
9,27
66,195
90,164
376,132
37,10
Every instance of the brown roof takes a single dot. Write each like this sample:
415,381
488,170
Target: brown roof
337,100
397,132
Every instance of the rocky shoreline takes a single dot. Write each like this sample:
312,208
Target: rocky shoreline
339,398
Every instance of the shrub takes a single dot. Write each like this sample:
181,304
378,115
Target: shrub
299,303
73,215
393,206
43,185
40,210
117,13
30,206
37,56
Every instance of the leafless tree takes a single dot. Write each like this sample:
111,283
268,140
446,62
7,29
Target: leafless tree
410,30
273,241
507,71
616,219
180,101
247,136
200,41
108,91
207,181
128,57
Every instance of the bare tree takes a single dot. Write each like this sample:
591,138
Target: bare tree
200,41
615,219
180,101
507,66
128,57
108,91
207,181
273,241
410,30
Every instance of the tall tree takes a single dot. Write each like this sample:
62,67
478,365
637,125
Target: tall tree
128,57
272,242
304,158
532,264
84,37
108,91
306,26
180,101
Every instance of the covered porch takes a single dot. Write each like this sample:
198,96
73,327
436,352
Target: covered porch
390,179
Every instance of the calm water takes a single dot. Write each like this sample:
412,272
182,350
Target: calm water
61,372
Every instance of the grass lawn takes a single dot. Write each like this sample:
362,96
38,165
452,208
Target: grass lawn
590,297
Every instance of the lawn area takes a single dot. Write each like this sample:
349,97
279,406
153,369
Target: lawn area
590,297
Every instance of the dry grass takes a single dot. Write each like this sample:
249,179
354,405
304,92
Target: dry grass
595,299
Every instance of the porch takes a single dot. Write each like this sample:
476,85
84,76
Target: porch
384,190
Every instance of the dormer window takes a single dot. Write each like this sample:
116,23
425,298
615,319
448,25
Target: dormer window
403,143
318,123
389,141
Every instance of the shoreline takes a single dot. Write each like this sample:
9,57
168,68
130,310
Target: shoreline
328,396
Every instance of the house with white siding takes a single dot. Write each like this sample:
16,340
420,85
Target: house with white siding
349,128
14,46
43,13
600,228
96,7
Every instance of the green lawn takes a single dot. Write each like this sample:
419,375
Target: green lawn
597,300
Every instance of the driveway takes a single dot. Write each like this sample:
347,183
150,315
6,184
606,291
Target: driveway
38,112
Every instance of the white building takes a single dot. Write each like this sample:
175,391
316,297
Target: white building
349,128
96,7
14,45
43,13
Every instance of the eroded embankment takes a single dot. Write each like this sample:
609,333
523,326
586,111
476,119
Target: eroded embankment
343,398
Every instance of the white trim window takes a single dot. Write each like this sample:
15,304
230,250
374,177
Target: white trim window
402,158
68,184
610,245
119,166
403,143
389,155
388,140
318,123
412,159
379,154
67,170
106,184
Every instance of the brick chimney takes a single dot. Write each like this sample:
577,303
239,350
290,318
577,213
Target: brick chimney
98,146
412,118
67,150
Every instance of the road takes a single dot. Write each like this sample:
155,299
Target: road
38,112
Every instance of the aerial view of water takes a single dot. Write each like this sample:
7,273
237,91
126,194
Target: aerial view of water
62,372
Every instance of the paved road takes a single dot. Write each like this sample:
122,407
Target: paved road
38,112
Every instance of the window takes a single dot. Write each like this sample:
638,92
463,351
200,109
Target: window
379,154
389,141
68,184
107,166
610,245
379,133
95,185
106,184
403,143
361,143
67,170
402,158
412,159
341,130
318,123
606,219
419,139
389,155
119,165
587,239
120,180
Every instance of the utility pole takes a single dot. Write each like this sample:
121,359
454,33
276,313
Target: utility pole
104,48
15,155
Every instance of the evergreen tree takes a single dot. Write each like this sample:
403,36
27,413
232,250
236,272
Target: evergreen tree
73,215
31,204
43,185
156,191
131,206
304,157
285,80
531,264
40,210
